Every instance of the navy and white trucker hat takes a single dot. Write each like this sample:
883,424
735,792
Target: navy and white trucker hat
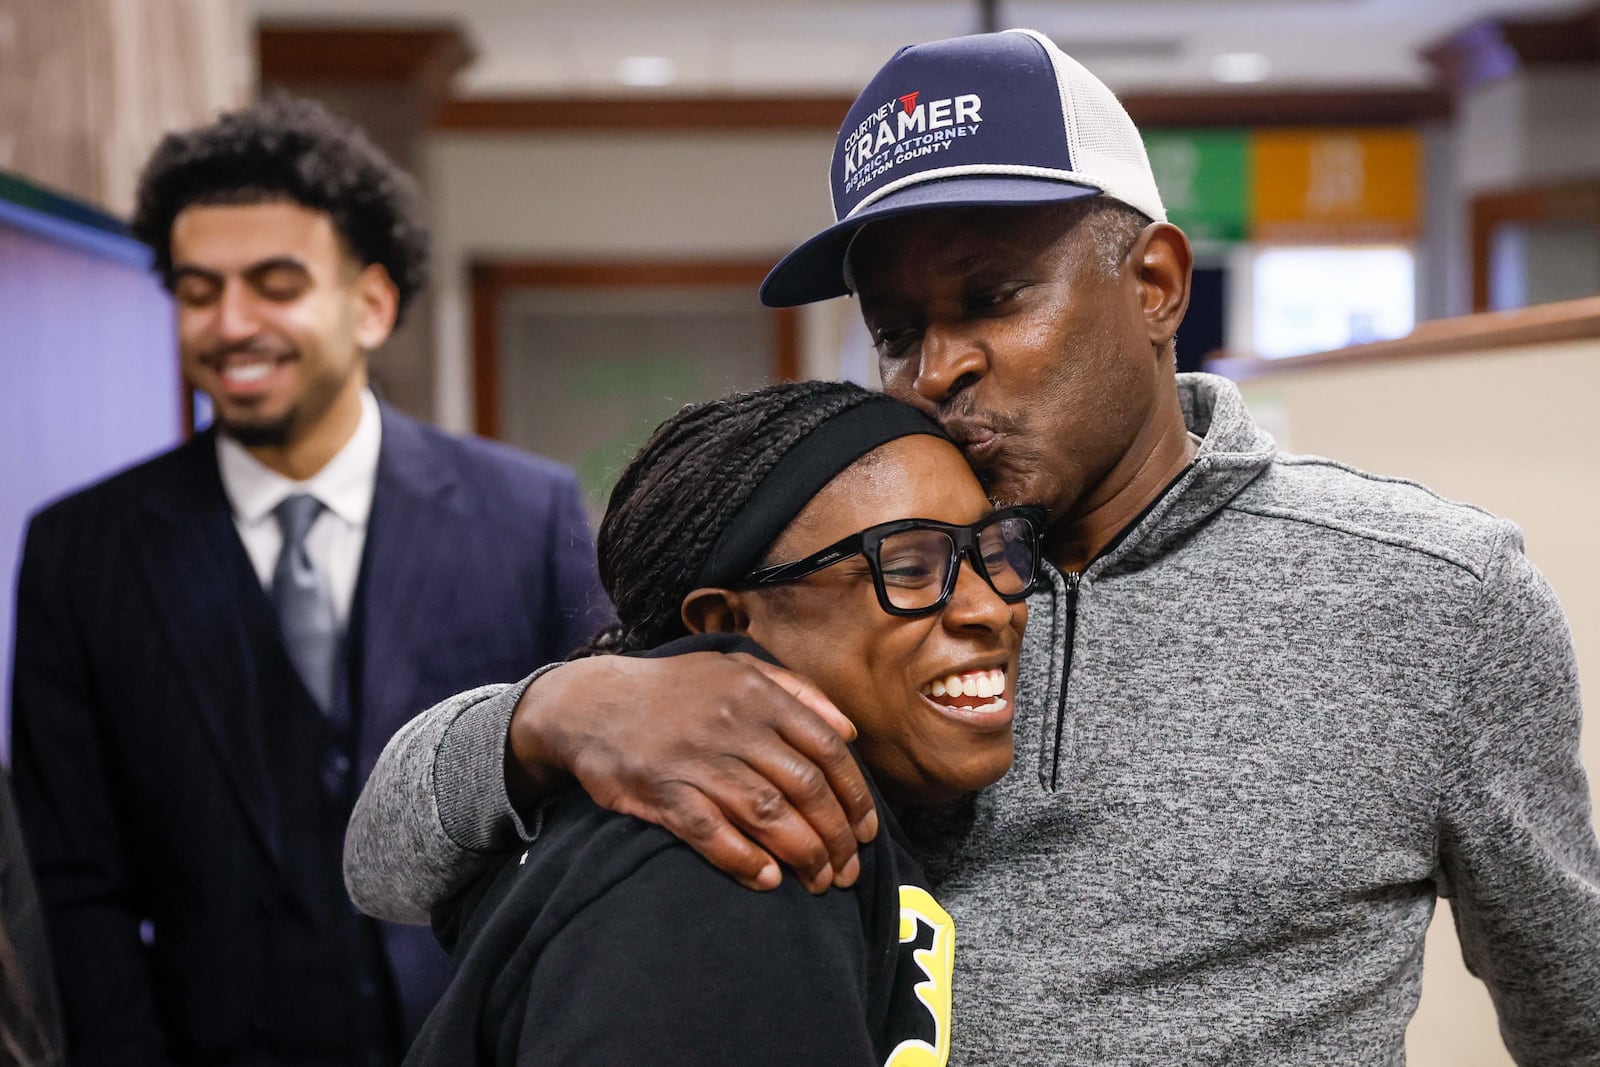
988,120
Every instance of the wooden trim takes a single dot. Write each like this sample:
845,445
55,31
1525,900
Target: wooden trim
1569,320
487,292
1491,49
1569,201
654,114
532,114
1560,40
1299,107
620,274
490,281
426,54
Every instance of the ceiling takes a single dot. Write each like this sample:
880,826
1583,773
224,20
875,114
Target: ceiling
832,47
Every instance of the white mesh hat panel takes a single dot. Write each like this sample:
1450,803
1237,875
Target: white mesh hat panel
1106,148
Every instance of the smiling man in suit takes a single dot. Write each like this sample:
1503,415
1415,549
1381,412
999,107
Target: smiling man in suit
214,646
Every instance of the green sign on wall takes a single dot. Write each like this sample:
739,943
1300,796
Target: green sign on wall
1204,180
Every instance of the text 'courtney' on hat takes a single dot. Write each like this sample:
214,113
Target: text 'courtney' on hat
988,120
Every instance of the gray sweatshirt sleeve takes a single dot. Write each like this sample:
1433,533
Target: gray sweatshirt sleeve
1518,849
434,811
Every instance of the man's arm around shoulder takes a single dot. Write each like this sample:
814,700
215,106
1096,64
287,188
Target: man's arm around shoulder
435,813
742,760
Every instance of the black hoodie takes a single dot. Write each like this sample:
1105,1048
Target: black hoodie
610,941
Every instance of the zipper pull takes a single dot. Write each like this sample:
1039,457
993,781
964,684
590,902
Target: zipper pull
1050,769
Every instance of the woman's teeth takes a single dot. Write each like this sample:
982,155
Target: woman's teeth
972,684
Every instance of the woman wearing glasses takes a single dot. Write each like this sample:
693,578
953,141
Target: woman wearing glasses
841,534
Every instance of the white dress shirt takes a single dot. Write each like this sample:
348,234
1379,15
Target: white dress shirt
344,486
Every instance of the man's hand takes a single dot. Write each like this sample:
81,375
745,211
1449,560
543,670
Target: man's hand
717,749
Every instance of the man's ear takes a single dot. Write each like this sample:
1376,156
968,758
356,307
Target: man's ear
1161,261
715,611
377,305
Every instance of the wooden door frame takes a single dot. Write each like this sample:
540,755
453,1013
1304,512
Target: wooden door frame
492,280
1571,200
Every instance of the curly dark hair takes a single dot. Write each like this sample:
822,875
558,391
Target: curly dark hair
687,482
289,148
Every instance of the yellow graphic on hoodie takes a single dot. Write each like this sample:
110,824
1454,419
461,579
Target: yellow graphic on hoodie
929,932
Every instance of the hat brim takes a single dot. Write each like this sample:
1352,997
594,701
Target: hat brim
815,269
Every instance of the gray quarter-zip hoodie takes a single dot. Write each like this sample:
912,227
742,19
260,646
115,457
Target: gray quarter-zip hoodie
1256,738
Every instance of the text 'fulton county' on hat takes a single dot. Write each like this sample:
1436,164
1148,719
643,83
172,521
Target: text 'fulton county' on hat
989,120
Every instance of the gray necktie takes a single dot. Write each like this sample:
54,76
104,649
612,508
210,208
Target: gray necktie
304,601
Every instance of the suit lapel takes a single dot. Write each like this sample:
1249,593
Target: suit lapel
198,572
414,511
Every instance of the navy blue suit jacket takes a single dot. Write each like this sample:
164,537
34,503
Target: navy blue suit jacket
140,739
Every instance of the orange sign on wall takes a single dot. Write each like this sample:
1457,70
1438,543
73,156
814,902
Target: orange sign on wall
1335,186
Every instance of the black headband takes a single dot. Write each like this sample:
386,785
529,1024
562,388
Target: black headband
814,461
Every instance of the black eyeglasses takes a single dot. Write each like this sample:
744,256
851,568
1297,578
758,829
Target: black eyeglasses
914,562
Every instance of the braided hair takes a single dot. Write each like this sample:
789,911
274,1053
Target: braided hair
687,482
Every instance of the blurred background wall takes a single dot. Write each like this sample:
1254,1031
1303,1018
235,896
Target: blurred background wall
88,86
88,368
1395,206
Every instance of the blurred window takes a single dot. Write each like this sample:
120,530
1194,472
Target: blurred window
1315,299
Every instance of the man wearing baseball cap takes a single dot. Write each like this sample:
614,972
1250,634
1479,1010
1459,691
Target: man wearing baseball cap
1270,708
